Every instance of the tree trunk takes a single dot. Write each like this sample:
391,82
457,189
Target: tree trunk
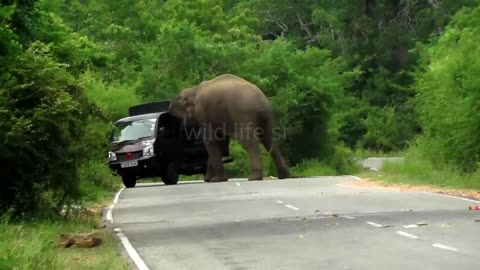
400,57
369,8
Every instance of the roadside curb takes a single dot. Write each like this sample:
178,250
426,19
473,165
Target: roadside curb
130,250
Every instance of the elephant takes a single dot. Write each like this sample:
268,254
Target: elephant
230,107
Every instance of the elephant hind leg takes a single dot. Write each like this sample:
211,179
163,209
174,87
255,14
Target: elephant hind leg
253,151
282,168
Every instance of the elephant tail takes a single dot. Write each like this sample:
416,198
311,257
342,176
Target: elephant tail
266,121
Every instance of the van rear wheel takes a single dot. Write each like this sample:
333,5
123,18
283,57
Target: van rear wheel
170,176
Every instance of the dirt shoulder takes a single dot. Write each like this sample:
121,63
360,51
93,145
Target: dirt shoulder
377,183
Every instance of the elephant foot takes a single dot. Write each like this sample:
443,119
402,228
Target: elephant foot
284,174
256,175
219,179
255,178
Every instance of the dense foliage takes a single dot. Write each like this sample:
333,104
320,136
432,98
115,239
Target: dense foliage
342,75
449,97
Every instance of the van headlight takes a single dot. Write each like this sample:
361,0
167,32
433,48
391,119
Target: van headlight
112,156
148,151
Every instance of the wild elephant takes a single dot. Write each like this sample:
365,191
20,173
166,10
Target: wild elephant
229,106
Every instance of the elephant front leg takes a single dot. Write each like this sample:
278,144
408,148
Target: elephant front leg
215,165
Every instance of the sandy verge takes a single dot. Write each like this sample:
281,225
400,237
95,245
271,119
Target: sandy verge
368,183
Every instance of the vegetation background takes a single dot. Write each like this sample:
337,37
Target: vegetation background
345,76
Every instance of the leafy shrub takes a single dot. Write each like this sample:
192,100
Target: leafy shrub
448,98
42,117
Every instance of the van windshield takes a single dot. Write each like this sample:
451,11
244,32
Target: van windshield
134,130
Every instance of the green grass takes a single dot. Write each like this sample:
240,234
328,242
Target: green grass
31,245
362,153
418,172
312,168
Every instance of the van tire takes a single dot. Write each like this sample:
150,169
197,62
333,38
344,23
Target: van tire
170,175
129,181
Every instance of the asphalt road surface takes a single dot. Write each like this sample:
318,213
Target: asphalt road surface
312,223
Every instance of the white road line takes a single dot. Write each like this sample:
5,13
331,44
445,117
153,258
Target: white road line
280,202
126,244
407,235
444,247
238,184
110,207
131,251
454,197
109,213
348,217
292,207
374,224
117,196
410,226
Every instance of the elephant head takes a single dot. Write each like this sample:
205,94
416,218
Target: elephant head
183,105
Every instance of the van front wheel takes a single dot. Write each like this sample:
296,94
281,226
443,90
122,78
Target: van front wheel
129,181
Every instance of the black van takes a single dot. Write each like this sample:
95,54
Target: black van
151,142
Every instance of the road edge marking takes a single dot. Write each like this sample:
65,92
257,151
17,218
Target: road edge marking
407,235
431,193
109,215
131,250
451,196
132,253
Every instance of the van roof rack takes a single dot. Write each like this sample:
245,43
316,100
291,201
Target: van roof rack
152,107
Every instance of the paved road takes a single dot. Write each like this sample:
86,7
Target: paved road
314,223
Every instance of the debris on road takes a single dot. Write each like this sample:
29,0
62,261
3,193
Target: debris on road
477,220
476,208
422,224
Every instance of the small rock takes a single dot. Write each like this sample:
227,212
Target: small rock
422,224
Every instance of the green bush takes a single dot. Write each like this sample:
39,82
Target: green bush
42,118
448,97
